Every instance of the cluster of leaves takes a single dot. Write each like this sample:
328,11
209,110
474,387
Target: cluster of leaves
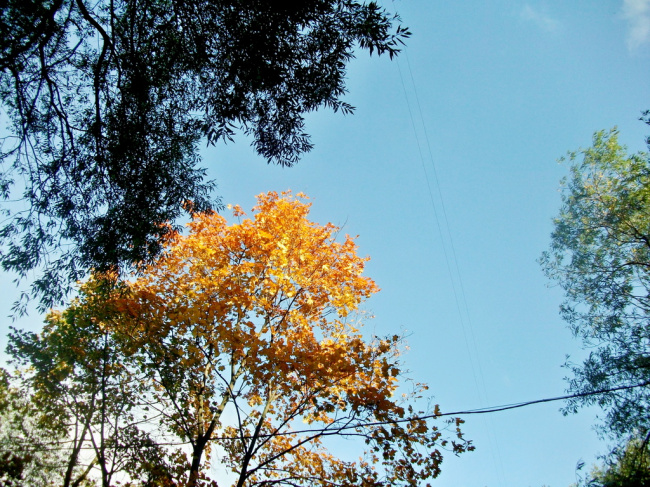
624,467
241,343
26,439
80,385
600,255
108,100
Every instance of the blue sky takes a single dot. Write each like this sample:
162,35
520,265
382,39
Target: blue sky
498,91
448,173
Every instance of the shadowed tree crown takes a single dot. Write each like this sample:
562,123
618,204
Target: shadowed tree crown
107,102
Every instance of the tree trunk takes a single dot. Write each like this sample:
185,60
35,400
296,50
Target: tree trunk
197,453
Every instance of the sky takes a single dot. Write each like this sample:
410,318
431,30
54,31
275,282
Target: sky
448,173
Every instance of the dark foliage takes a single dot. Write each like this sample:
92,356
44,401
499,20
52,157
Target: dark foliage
11,468
107,102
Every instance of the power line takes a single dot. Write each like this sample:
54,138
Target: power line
446,240
330,430
486,410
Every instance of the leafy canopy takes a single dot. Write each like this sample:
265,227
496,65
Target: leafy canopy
26,437
626,466
600,255
246,343
108,101
79,381
254,321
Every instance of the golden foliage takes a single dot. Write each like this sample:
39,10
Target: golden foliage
246,333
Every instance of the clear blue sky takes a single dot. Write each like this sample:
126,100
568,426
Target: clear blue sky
485,99
505,88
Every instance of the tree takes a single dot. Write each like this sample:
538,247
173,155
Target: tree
600,255
88,398
26,439
249,340
628,466
109,100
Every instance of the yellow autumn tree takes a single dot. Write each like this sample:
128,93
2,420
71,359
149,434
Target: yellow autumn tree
249,335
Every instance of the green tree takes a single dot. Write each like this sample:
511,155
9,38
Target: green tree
27,439
600,255
627,466
86,392
108,101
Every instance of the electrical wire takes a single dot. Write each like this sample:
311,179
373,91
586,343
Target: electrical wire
458,289
465,412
